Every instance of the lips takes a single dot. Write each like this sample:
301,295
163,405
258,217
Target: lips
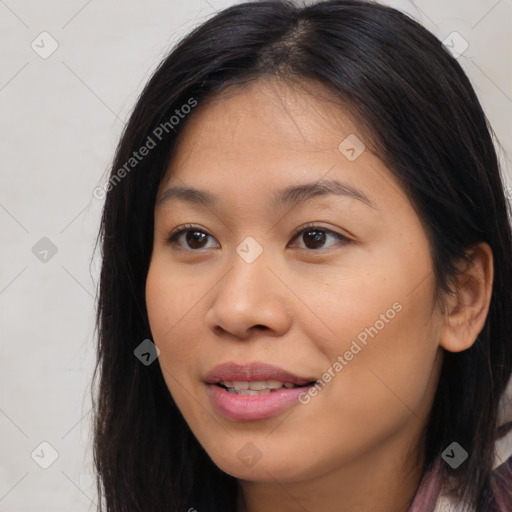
250,372
254,391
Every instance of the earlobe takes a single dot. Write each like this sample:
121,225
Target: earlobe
467,309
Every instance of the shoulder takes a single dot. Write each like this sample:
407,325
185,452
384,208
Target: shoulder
503,450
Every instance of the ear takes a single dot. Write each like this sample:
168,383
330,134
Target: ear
466,311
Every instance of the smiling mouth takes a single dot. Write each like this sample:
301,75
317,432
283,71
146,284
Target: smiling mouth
262,387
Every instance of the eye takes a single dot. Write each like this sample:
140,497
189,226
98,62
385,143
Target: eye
195,237
314,236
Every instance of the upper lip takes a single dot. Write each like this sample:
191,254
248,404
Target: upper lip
255,371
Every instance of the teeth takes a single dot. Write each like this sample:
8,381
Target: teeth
256,387
250,391
259,385
273,384
240,385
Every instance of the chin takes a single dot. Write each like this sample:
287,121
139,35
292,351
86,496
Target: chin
264,470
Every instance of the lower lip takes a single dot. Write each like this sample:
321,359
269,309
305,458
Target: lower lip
253,407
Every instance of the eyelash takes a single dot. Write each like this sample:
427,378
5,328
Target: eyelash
172,238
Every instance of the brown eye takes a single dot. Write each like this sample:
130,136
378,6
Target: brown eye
195,238
314,237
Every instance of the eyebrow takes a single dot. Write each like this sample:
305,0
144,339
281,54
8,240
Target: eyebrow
292,194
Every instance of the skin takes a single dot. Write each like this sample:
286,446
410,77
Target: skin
357,444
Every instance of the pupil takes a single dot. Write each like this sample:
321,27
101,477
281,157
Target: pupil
319,238
192,240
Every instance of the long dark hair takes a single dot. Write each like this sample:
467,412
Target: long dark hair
425,123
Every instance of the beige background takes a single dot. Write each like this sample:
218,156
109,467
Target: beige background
61,118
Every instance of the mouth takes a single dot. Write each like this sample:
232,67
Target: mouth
254,391
258,387
254,376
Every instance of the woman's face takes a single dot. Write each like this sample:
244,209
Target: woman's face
330,283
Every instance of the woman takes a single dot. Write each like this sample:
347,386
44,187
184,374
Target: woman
245,362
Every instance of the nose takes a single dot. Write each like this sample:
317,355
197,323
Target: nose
250,297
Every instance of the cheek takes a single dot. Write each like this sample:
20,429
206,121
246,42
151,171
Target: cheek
175,320
380,323
388,361
388,376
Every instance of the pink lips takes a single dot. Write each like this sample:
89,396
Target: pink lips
249,407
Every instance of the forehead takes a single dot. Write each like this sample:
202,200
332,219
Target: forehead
266,136
272,113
